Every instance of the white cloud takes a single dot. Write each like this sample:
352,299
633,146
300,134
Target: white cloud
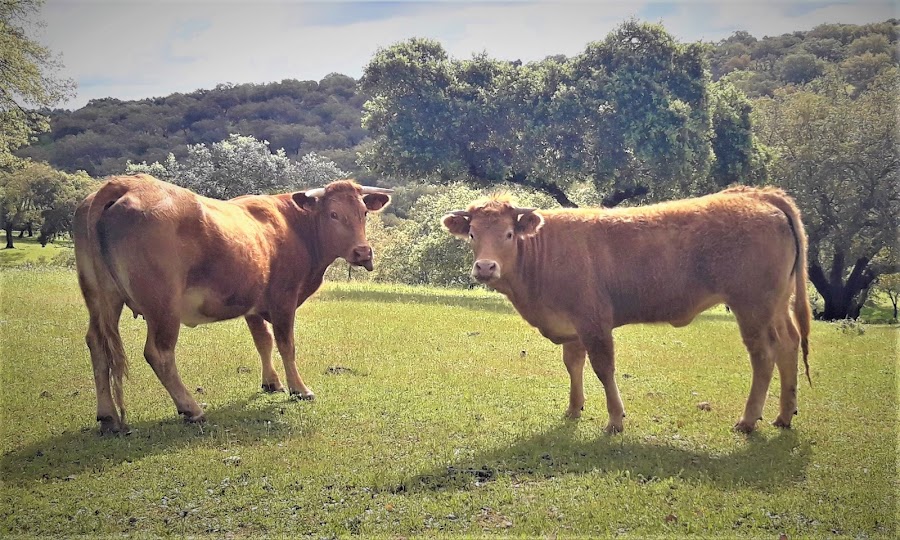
136,49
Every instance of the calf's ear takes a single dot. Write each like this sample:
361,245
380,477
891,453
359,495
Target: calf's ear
376,201
529,224
457,225
303,200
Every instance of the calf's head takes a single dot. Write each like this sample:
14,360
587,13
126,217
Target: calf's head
339,210
494,228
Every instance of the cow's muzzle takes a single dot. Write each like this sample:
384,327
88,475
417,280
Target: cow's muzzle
485,270
362,256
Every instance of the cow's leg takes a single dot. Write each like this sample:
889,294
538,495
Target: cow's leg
599,347
103,341
162,334
284,338
759,345
573,357
787,348
262,338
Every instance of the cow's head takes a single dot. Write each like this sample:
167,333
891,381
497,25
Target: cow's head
340,210
493,227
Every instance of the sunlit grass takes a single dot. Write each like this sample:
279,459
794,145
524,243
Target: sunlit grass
445,421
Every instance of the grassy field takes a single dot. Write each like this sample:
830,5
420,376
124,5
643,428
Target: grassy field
439,413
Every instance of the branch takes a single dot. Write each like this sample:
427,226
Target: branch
542,185
619,196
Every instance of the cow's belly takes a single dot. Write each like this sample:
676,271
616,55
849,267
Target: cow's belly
201,306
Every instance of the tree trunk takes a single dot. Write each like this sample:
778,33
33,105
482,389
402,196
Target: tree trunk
840,297
9,236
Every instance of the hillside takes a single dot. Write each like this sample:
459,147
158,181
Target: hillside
299,116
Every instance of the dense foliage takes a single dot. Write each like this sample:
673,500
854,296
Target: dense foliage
634,114
297,116
760,66
28,79
39,197
240,165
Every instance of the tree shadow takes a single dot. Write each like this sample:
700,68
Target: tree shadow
71,453
496,305
761,463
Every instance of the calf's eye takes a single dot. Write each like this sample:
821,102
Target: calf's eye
509,236
334,215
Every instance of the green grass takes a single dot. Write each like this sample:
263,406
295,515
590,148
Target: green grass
28,251
447,422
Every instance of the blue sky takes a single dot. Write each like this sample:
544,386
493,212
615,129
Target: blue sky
132,49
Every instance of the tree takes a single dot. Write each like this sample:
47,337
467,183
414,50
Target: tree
240,165
43,197
631,114
27,79
889,284
839,158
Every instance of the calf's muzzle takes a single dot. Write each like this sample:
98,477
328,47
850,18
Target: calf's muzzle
485,270
362,256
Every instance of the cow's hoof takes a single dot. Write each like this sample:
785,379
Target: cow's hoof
113,426
783,424
272,388
612,428
193,418
573,414
299,396
745,427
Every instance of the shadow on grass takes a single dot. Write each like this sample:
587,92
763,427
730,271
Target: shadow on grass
497,305
72,453
760,463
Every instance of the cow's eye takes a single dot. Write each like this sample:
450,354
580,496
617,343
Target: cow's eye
509,236
334,215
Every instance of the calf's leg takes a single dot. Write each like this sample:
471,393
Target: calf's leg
283,326
759,342
573,357
262,338
103,341
786,350
162,334
600,350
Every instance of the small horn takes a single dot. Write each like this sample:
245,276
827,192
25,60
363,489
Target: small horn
524,210
315,193
370,189
462,213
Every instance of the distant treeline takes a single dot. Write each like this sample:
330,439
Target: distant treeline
325,116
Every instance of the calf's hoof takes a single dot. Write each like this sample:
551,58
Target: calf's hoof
745,427
300,396
272,388
190,418
113,426
612,428
783,424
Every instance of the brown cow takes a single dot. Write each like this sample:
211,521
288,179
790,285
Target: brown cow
176,257
577,274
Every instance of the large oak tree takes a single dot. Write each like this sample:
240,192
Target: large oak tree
634,114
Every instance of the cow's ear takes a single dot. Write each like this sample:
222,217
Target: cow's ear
376,201
529,223
304,201
457,225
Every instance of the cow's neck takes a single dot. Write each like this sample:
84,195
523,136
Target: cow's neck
520,283
319,259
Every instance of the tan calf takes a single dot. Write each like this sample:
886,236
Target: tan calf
577,274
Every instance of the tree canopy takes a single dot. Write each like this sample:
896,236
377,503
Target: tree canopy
241,165
838,157
632,114
28,79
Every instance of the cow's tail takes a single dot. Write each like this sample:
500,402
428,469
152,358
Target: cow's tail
802,311
99,283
